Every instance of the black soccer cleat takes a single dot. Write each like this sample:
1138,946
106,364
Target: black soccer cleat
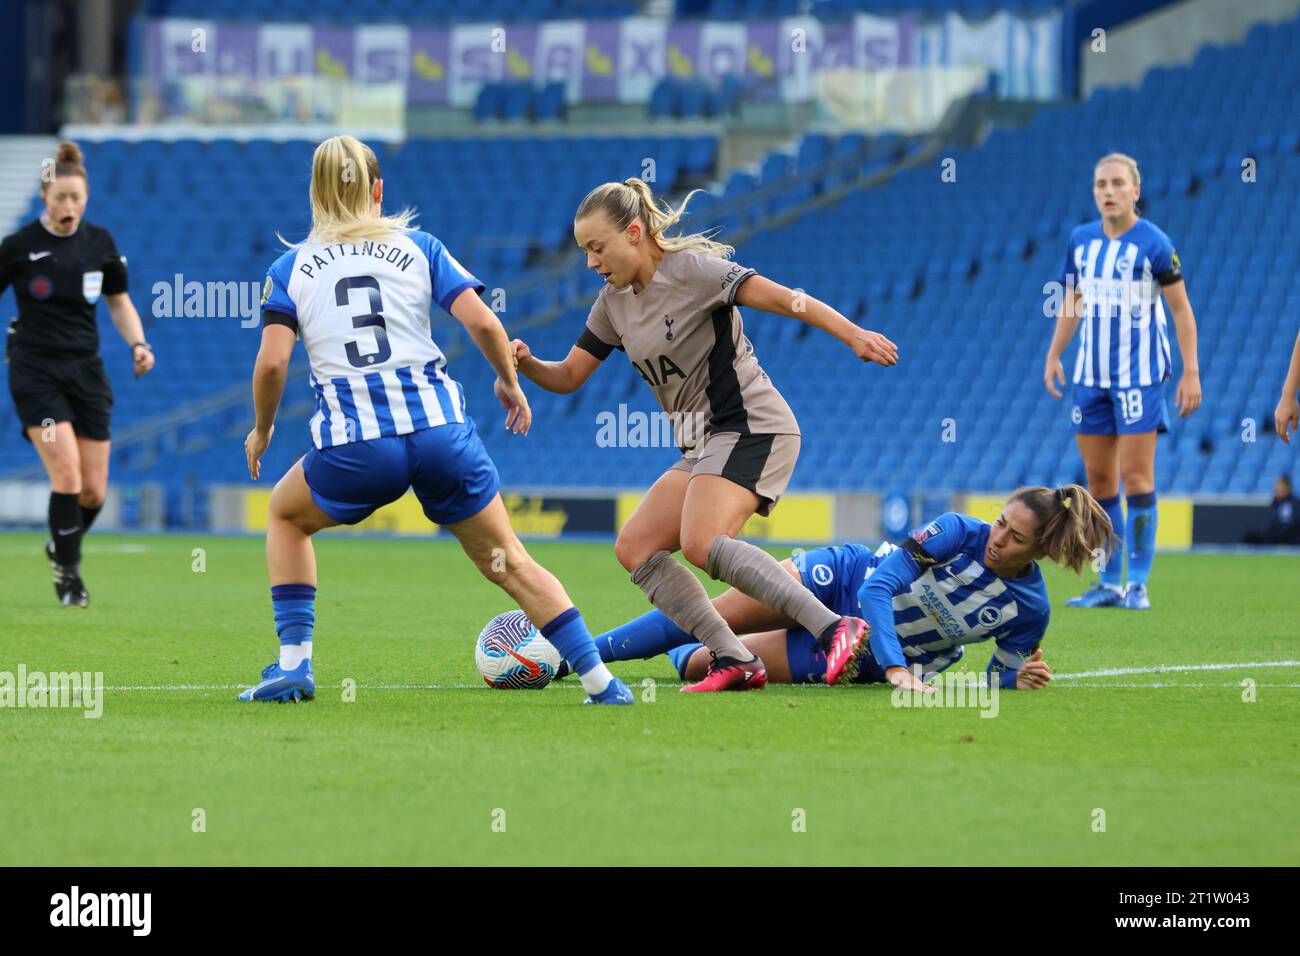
72,590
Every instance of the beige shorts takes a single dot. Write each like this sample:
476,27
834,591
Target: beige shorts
761,463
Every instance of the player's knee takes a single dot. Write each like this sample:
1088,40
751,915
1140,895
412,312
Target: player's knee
65,478
1103,484
630,552
695,549
91,497
1138,482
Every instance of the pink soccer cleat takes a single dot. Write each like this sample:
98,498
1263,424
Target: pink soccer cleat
726,673
847,644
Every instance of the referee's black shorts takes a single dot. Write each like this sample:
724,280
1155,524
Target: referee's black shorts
61,390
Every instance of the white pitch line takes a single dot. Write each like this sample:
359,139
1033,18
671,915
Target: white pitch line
1109,672
176,687
7,550
1197,686
1170,668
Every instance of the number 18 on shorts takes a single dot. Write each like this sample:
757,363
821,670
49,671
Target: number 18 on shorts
1119,411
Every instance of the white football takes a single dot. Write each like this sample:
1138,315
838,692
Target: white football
511,654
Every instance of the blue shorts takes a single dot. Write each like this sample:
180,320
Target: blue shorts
1119,411
834,575
447,465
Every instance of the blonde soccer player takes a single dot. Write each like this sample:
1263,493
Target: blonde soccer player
388,417
1120,272
670,303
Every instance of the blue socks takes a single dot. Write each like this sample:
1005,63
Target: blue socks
294,606
681,655
1138,533
1112,571
647,636
1141,536
568,632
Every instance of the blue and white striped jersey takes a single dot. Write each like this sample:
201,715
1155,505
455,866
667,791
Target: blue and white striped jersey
928,599
1123,335
362,312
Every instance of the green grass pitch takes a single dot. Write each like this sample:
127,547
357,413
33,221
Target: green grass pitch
1185,771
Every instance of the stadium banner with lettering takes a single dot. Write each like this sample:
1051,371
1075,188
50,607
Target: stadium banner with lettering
603,60
800,518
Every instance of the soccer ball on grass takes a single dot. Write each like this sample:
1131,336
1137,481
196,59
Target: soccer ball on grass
511,654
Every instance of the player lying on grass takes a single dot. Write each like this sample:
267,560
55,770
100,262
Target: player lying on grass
957,581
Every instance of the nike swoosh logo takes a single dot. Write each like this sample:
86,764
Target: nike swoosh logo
68,531
37,255
534,669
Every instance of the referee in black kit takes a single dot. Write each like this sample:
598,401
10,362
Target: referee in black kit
59,267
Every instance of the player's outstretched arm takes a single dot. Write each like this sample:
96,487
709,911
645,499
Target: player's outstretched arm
489,337
127,322
1067,320
487,333
765,295
1188,396
561,377
893,576
269,374
1286,417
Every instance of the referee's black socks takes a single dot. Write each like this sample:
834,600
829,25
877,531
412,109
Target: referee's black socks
65,528
88,516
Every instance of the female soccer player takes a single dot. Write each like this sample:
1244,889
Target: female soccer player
956,581
1115,270
388,416
670,303
60,266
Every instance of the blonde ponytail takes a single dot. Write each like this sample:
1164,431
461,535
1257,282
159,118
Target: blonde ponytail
631,200
343,171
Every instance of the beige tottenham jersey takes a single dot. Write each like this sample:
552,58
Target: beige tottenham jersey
683,334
